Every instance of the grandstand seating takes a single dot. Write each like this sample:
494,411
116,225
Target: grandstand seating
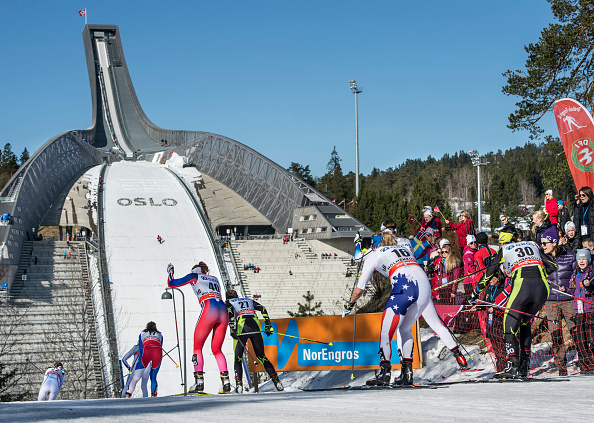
51,316
280,292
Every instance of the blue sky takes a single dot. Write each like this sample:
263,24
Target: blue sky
273,74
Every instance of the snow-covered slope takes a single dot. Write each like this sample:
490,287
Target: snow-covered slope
143,200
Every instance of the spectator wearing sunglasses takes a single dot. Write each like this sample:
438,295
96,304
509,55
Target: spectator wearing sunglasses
583,213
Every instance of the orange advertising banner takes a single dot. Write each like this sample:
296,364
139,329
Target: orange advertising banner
334,351
576,130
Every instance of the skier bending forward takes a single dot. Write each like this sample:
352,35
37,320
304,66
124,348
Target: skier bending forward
52,382
213,318
150,346
410,298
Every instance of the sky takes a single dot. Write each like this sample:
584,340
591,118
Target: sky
274,75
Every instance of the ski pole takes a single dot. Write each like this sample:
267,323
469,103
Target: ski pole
569,295
181,372
33,364
290,336
465,276
455,338
167,354
354,333
557,322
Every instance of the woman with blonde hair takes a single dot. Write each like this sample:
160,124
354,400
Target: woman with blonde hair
542,222
447,269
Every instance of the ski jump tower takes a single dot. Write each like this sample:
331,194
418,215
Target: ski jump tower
121,131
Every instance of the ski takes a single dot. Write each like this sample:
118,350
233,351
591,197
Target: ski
471,370
191,394
518,380
372,388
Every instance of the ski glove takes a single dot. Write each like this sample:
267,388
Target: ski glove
473,299
348,307
358,238
268,328
170,268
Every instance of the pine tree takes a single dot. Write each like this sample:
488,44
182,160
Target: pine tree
310,308
24,156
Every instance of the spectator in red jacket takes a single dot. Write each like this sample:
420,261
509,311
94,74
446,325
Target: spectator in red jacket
551,207
465,227
469,264
429,221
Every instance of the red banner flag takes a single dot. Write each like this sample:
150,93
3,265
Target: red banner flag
436,210
82,12
576,130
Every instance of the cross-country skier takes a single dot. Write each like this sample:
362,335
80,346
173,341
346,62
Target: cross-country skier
52,382
213,318
530,290
150,346
242,319
134,352
410,298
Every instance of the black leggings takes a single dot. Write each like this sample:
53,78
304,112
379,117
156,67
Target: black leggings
257,350
529,293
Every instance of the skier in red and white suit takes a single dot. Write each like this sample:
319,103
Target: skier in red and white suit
213,318
150,345
52,382
410,299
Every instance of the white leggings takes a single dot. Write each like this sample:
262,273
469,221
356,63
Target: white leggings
138,374
422,307
51,387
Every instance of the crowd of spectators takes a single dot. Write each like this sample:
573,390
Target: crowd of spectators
569,310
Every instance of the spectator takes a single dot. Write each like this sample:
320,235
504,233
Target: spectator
541,224
429,221
496,294
583,331
571,241
583,213
563,216
469,265
443,242
65,254
557,306
463,228
448,270
589,244
290,273
483,256
506,225
551,206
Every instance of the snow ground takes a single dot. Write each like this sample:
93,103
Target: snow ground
568,400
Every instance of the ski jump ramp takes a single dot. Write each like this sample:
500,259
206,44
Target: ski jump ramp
143,200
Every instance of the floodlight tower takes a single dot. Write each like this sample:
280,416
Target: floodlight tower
478,162
356,91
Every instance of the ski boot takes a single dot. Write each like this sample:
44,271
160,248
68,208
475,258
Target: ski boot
523,366
238,386
460,358
277,383
406,373
382,378
128,395
226,383
199,385
154,394
510,371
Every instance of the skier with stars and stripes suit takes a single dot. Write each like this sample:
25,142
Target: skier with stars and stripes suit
410,299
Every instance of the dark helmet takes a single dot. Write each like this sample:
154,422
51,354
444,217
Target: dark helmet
151,327
231,293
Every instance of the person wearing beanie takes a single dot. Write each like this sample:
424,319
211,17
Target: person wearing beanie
430,221
528,268
563,216
551,206
583,331
570,241
482,257
469,267
558,305
444,241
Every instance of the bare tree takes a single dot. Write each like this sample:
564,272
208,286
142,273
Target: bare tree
72,329
11,318
528,192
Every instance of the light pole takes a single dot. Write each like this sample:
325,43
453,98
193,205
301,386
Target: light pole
167,296
356,91
478,162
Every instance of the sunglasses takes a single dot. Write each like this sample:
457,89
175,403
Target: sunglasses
544,244
445,252
583,195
